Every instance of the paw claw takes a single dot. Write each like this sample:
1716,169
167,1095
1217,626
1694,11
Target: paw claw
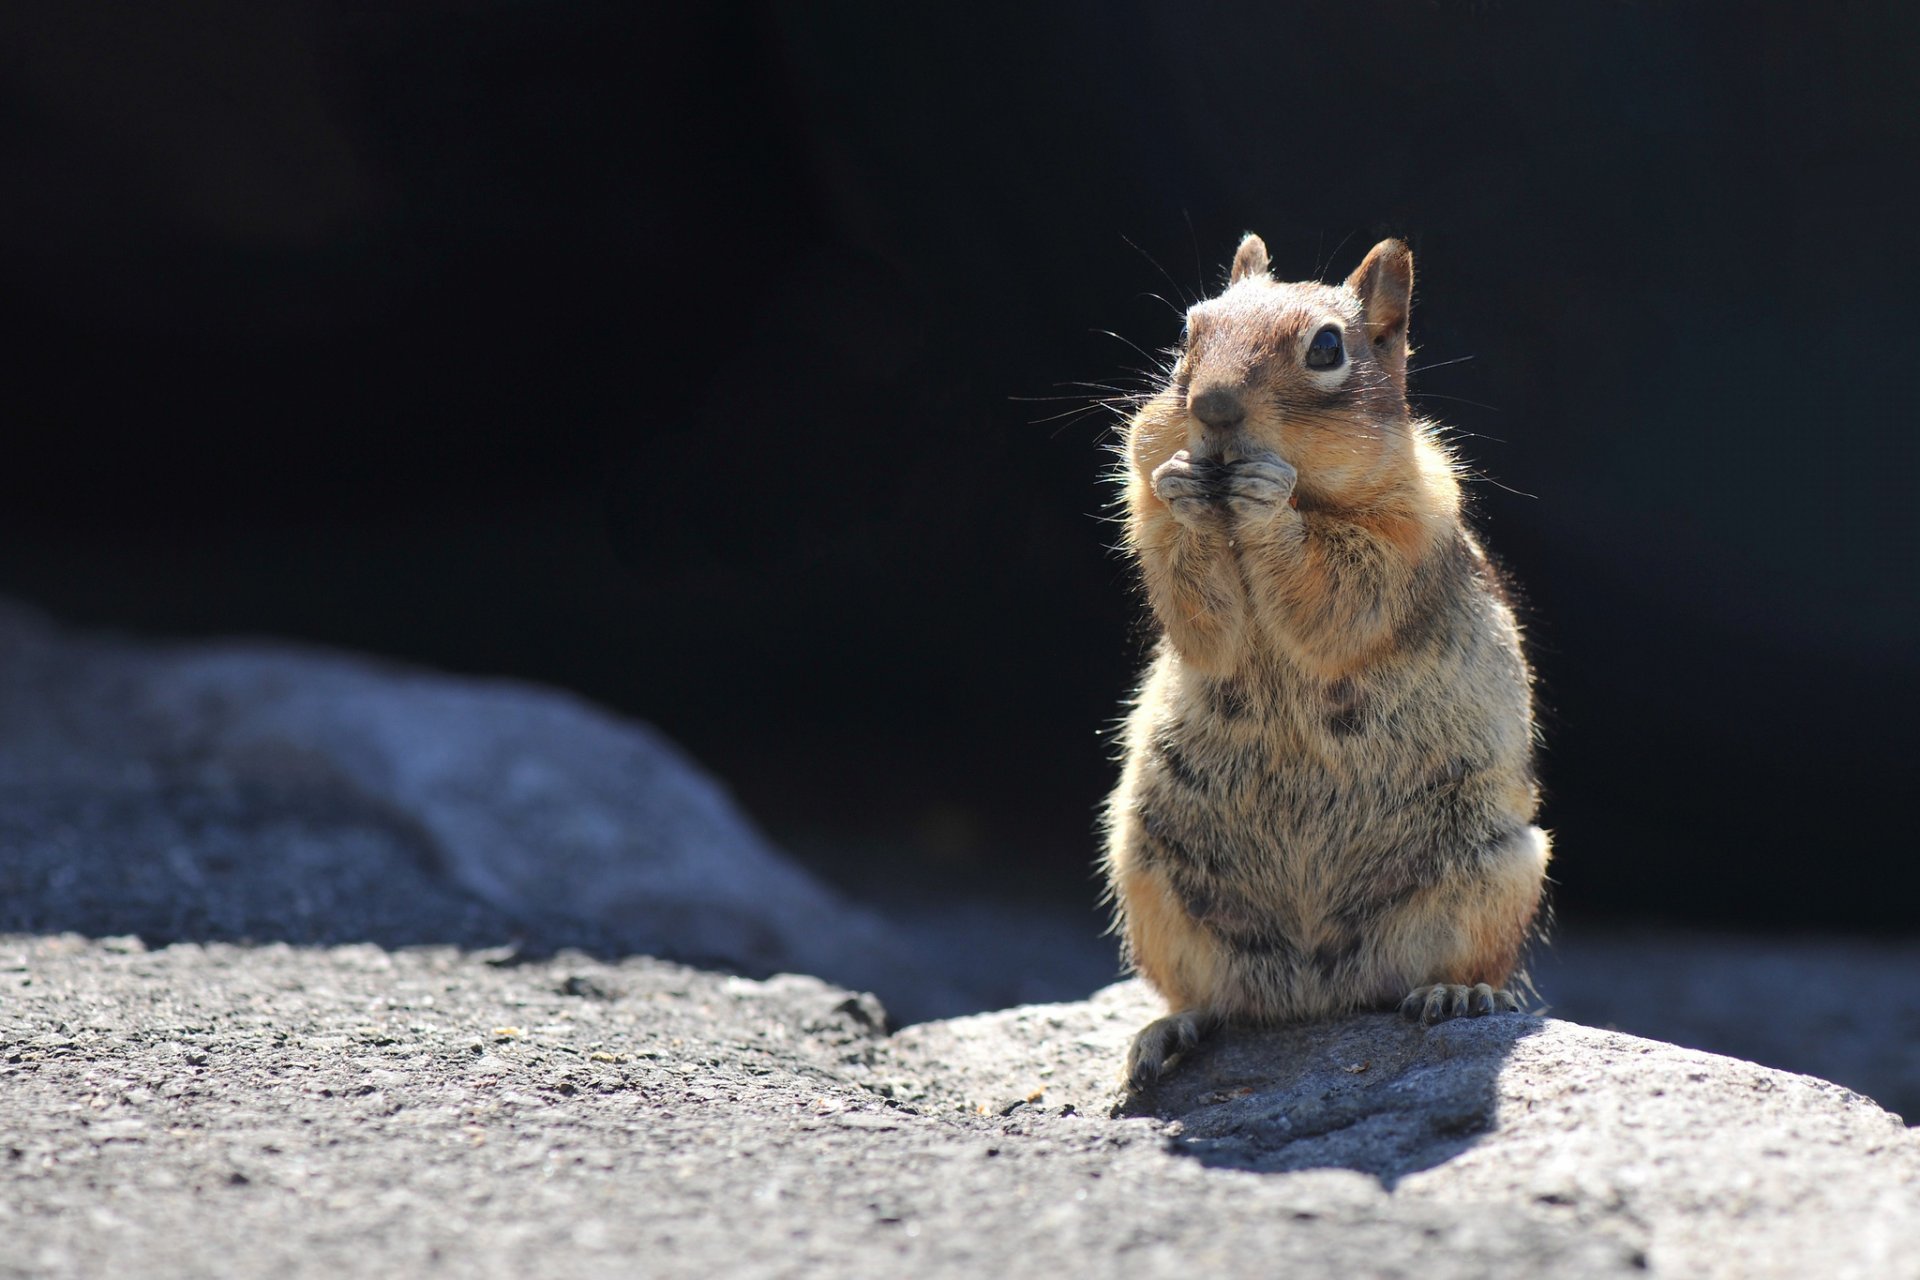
1257,487
1252,490
1442,1001
1187,487
1160,1044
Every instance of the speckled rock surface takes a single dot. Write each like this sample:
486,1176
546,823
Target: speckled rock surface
219,1110
451,1093
264,791
1844,1009
1702,1164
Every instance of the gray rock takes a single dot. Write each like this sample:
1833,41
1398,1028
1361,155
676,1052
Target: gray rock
266,791
1705,1165
1843,1009
215,1110
312,1109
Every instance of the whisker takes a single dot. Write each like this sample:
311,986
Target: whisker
1199,271
1156,266
1148,381
1450,432
1069,415
1435,395
1326,263
1178,313
1439,364
1108,333
1113,393
1481,477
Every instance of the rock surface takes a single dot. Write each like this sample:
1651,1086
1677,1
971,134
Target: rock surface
260,791
1843,1009
1701,1164
256,1099
255,791
218,1110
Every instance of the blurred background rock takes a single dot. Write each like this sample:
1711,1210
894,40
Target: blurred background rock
699,360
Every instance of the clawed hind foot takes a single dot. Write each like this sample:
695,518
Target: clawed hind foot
1164,1041
1444,1000
1161,1043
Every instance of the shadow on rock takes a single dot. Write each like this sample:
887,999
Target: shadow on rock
1373,1093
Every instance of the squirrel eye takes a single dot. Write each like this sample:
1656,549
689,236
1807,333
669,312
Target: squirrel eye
1325,351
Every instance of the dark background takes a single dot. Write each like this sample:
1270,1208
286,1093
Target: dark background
701,363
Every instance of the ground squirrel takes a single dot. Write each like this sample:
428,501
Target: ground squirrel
1328,797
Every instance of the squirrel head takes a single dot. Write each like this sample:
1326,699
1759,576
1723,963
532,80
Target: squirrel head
1313,372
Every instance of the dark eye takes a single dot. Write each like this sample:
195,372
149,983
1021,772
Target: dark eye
1325,351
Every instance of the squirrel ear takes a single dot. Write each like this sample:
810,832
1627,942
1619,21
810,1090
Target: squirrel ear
1384,282
1249,259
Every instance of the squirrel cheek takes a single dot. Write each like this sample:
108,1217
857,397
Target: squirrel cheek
1154,440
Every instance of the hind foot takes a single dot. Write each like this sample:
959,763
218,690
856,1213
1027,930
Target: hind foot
1444,1000
1161,1043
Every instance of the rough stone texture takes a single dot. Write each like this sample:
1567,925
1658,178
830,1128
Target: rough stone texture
218,1110
1843,1009
168,791
263,792
432,1099
1702,1164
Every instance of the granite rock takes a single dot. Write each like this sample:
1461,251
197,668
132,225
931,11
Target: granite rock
215,1110
253,790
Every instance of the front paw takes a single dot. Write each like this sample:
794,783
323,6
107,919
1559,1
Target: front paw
1257,488
1189,488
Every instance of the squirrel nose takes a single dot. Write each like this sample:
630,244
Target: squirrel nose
1218,407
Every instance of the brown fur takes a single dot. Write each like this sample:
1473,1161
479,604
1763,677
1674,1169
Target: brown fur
1328,798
